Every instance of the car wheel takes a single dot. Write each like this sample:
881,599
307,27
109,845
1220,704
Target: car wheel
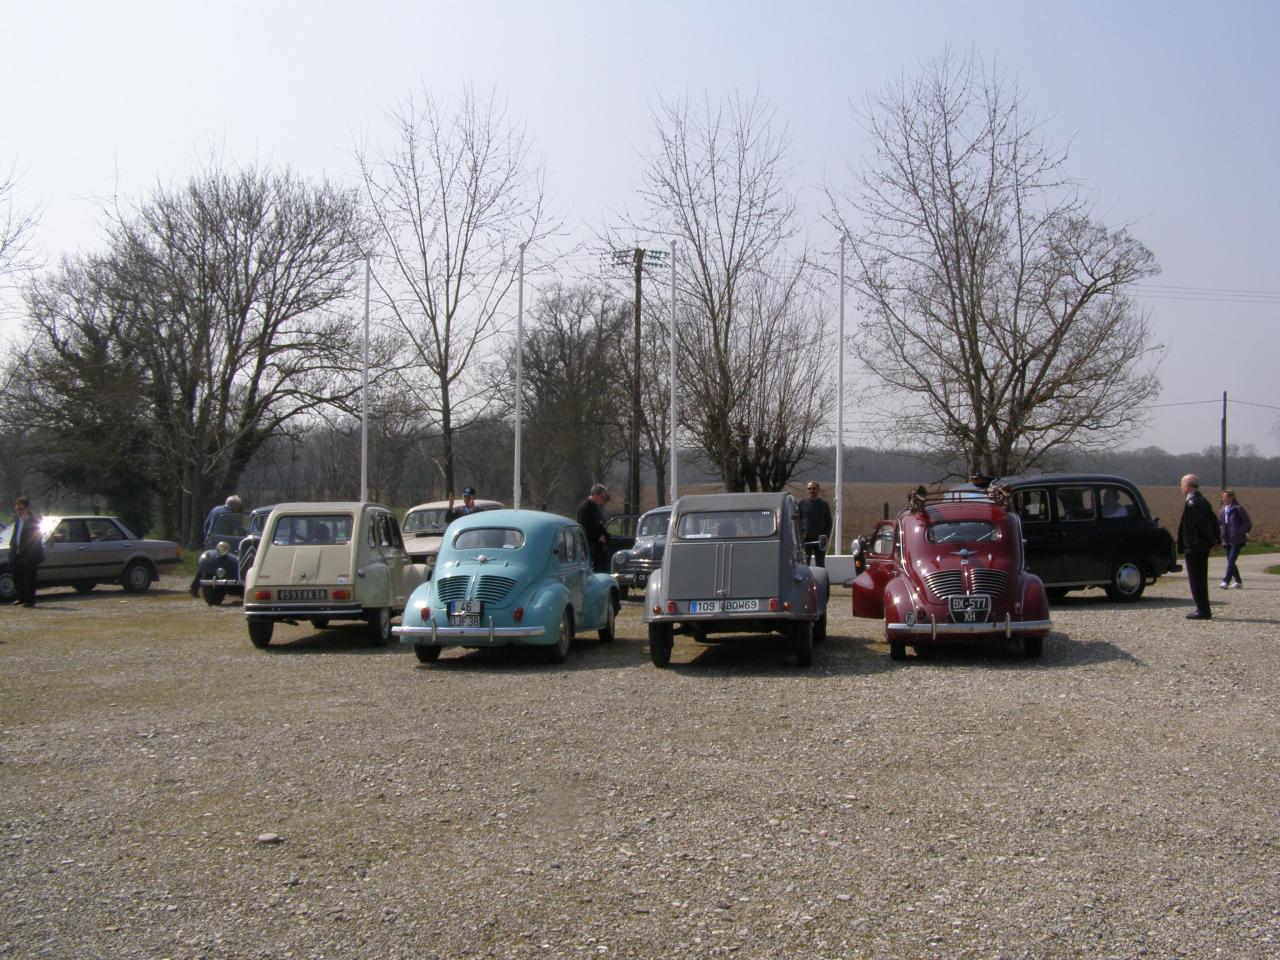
558,652
137,577
426,652
85,586
319,622
260,632
802,642
1032,646
897,650
820,629
1128,580
379,625
606,632
660,643
213,595
8,590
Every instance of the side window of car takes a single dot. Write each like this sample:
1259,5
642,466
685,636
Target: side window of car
393,533
566,545
580,543
71,531
373,531
102,530
1032,506
1075,503
1117,504
883,540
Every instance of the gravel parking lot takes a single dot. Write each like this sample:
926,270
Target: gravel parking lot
166,790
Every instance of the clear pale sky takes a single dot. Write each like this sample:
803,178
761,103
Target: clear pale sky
1170,108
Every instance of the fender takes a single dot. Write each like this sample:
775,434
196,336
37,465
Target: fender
547,603
375,591
652,591
822,581
897,601
599,591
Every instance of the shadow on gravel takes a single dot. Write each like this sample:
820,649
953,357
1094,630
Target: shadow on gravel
1099,601
341,638
760,655
587,653
1059,651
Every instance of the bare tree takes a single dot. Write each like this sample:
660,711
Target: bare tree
209,325
998,320
452,199
753,364
16,227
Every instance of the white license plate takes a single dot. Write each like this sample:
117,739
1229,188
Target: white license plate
465,608
469,620
303,595
970,609
739,606
704,606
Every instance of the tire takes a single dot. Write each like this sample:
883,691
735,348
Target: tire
426,652
1128,580
897,650
260,633
660,643
319,622
820,629
1032,646
8,589
213,596
378,629
802,642
85,586
607,631
136,577
558,652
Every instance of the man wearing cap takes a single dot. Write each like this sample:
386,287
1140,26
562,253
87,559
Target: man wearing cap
468,505
591,519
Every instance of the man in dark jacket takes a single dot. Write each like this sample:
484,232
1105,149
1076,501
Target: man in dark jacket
591,519
1197,535
26,551
815,522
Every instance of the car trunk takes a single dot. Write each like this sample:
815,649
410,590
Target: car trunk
732,568
300,565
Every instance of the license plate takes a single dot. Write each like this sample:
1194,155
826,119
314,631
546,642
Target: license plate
970,609
641,579
466,608
467,620
303,595
731,606
704,606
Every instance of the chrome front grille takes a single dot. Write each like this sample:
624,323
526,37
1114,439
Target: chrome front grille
992,582
452,588
493,589
945,583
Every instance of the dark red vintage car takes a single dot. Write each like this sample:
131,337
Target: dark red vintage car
951,568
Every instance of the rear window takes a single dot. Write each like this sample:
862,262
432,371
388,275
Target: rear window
963,531
727,525
489,538
312,529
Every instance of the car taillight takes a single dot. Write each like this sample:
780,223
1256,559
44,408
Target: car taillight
773,604
342,594
262,594
424,612
517,614
671,606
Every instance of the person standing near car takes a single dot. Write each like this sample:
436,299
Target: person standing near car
815,522
26,551
1233,526
468,505
232,505
591,519
1197,535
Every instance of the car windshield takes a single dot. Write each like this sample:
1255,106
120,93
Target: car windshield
654,525
425,521
228,525
257,522
963,531
312,529
726,525
489,538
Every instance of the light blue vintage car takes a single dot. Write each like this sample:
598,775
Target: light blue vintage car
510,577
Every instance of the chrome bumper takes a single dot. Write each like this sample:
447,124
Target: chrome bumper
933,629
281,611
435,634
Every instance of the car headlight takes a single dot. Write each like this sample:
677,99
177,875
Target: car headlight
223,548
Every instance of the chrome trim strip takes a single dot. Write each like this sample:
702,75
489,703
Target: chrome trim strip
933,629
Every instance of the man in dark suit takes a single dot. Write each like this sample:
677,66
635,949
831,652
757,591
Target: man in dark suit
1197,535
591,519
26,551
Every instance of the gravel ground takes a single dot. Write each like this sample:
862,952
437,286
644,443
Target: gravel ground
168,791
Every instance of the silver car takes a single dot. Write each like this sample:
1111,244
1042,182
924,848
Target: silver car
85,551
735,564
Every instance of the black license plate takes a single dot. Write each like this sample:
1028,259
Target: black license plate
303,595
970,609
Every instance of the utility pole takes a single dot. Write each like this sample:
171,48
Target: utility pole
636,256
1223,466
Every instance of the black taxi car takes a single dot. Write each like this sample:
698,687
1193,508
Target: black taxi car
1090,530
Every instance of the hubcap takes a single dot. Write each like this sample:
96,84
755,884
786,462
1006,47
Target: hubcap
1128,577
